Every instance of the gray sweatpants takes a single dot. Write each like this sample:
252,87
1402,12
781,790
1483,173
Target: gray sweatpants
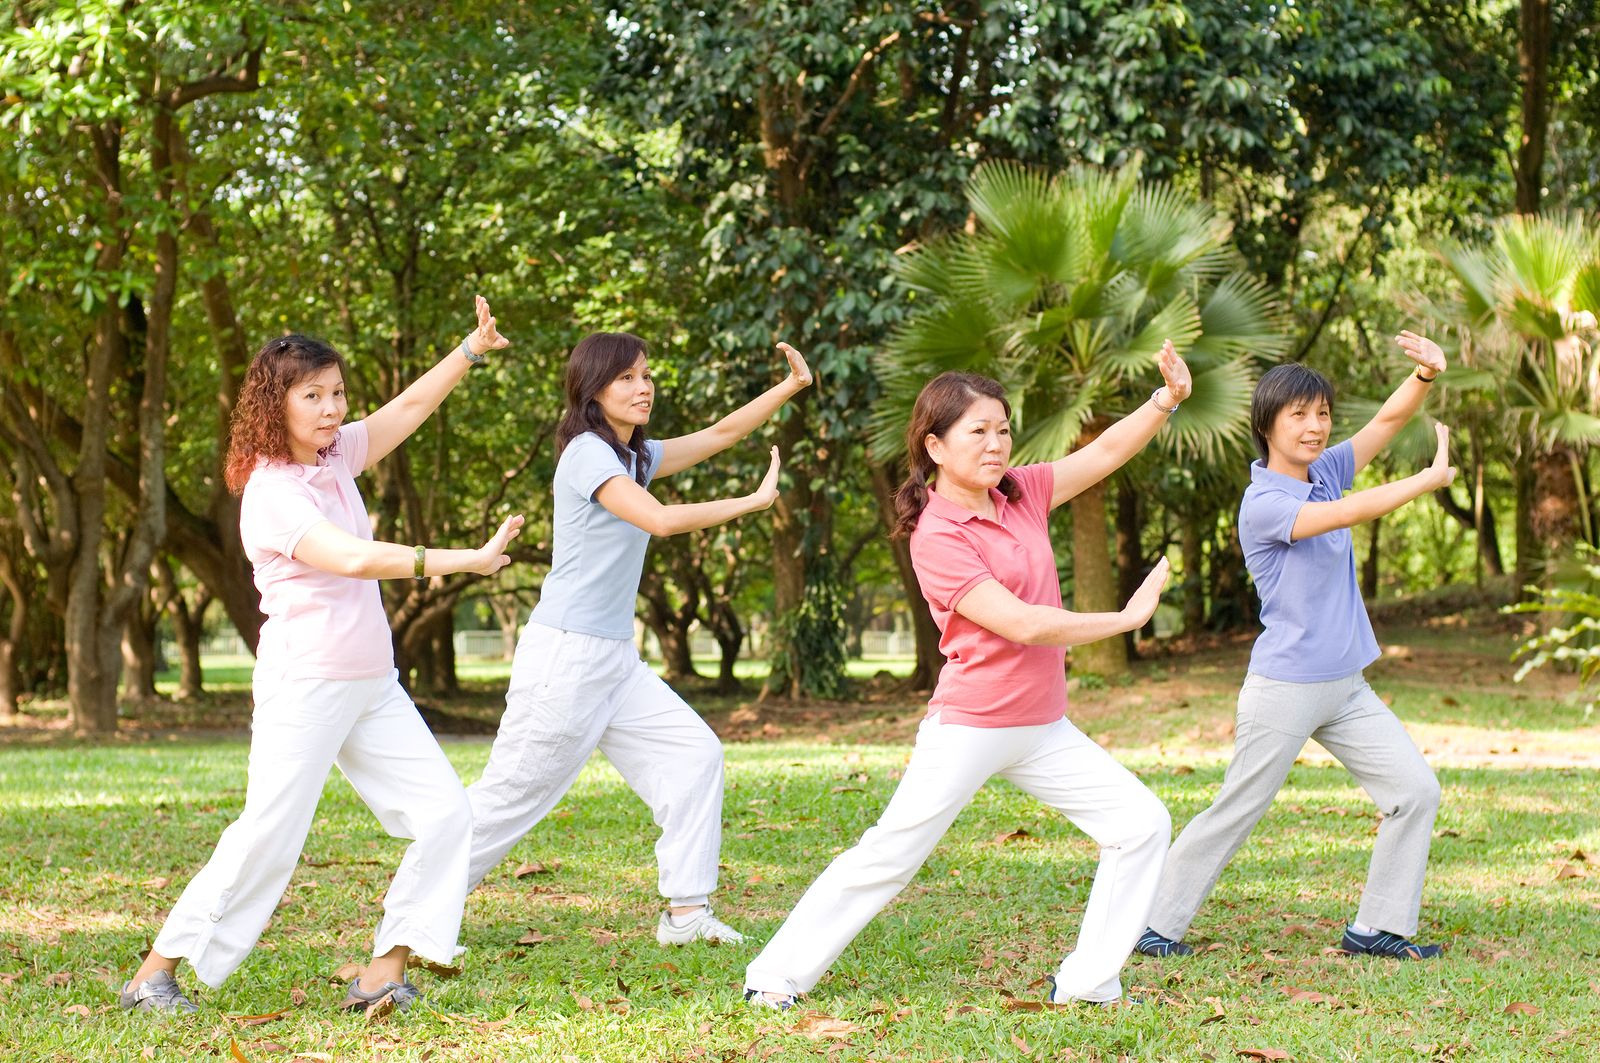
1348,720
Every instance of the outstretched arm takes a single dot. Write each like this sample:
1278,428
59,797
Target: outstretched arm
332,549
393,423
1404,403
1082,469
1361,506
624,498
683,452
991,605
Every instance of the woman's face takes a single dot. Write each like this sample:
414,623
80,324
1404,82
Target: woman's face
1300,433
626,401
976,450
312,412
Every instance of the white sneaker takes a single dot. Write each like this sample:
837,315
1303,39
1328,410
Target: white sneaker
702,926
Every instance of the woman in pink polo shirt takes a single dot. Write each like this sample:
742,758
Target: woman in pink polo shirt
980,544
326,690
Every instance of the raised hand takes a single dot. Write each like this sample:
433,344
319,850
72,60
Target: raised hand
486,337
494,556
797,365
1142,606
767,492
1422,350
1175,372
1441,466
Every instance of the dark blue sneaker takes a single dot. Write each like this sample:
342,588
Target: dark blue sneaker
1154,943
1383,943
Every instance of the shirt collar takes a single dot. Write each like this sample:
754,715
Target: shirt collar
1260,474
941,506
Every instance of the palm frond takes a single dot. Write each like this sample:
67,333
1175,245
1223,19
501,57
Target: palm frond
1215,418
1240,318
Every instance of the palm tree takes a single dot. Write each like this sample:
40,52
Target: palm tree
1063,289
1524,306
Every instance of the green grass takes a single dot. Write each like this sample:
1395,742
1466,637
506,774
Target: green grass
101,837
100,841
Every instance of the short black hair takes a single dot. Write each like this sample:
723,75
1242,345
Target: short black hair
1280,386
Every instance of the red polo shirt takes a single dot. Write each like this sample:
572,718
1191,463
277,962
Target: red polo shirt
990,681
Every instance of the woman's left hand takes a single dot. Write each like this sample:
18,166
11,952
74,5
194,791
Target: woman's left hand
486,337
1422,350
1175,372
797,365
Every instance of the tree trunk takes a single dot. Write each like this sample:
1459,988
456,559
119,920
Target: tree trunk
507,612
1094,584
1554,518
925,673
670,624
16,631
188,632
1130,566
443,644
1533,68
1369,567
1192,549
730,641
139,656
1530,561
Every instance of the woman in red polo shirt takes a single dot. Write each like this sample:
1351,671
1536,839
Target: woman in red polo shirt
980,544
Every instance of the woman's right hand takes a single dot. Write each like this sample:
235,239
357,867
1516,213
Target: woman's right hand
766,494
493,556
1142,606
1441,468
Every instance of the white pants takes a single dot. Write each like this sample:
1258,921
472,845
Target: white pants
299,730
571,693
1055,763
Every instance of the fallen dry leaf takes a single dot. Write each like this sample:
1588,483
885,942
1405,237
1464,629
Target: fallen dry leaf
820,1027
602,937
259,1020
1022,1046
438,970
1018,835
160,882
584,1003
534,937
80,1010
60,978
347,972
1570,871
533,867
1217,1014
297,996
1263,1053
235,1051
1519,1007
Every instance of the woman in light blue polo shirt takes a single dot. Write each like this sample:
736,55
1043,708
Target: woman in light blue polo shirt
577,682
1305,676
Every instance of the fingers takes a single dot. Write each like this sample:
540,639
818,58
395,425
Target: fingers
1158,574
775,461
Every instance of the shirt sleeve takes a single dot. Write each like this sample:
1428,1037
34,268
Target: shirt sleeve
1038,483
275,514
352,449
1266,518
592,464
653,452
948,565
1337,466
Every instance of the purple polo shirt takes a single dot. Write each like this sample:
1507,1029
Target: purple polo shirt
1316,624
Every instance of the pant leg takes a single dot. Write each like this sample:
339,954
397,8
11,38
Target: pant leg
396,766
295,732
671,759
948,765
558,705
1373,744
1274,721
1107,802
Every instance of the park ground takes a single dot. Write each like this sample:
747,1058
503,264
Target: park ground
99,839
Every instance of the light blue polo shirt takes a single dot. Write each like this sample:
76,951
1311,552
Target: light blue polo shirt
597,557
1316,624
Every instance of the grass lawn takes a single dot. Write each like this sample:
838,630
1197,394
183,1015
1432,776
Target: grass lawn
563,964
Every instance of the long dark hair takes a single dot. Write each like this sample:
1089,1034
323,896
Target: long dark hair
940,404
257,430
595,362
1280,386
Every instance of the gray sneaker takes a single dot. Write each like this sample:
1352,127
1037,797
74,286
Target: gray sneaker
401,994
158,993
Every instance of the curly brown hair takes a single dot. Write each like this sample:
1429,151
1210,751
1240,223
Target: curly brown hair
258,430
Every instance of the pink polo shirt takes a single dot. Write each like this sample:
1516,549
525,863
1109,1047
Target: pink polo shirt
318,626
987,680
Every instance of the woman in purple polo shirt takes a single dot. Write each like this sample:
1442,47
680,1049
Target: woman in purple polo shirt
1305,676
980,544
